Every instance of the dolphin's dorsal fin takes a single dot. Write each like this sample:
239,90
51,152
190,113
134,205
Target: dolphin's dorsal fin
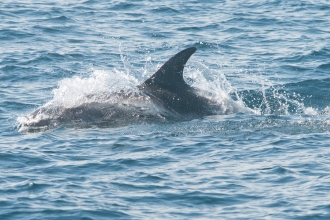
170,75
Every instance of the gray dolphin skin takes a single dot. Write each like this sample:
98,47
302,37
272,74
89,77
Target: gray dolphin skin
168,87
163,96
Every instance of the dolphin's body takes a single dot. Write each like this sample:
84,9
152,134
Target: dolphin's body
168,87
165,95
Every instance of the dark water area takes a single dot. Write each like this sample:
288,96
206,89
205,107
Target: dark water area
268,159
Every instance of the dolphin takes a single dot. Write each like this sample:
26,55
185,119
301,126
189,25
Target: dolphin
163,96
168,88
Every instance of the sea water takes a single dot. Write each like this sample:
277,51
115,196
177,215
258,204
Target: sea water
271,162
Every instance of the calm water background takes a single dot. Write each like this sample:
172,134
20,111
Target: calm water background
274,56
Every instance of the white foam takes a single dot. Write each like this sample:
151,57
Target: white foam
99,86
214,85
310,111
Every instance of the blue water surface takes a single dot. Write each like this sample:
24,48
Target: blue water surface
271,162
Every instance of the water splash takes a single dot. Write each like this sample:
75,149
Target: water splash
99,86
111,98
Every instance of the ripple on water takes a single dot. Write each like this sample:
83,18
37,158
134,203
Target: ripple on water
269,164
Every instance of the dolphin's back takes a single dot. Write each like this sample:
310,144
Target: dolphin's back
168,87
